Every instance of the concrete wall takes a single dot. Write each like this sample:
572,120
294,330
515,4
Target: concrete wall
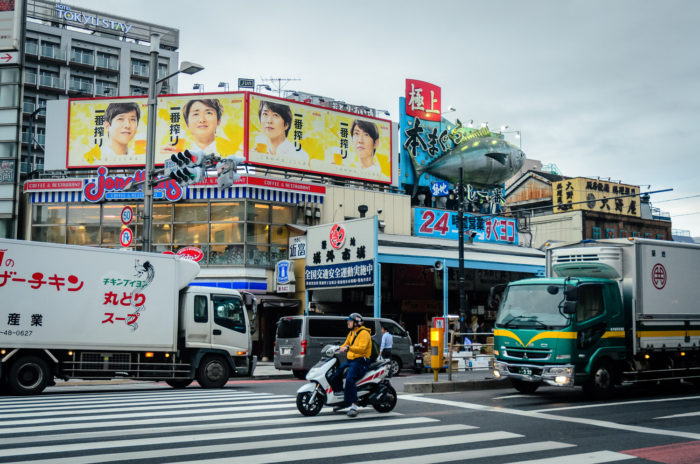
342,202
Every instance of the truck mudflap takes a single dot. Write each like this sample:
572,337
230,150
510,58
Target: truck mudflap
244,366
559,375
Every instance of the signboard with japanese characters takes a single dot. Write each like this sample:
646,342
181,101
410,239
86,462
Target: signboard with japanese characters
297,247
423,100
7,171
304,137
73,297
341,254
443,224
581,193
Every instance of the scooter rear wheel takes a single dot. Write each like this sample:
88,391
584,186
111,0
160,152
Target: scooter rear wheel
388,401
308,407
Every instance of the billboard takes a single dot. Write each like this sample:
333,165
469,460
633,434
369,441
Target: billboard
443,224
341,254
112,131
10,24
585,194
304,137
423,100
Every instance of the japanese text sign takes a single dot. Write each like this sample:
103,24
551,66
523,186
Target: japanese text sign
423,100
341,254
443,224
585,194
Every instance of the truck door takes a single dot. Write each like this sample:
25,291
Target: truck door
591,319
230,325
198,324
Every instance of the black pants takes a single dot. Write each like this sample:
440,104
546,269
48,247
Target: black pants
386,354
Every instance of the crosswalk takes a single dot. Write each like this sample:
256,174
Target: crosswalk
238,426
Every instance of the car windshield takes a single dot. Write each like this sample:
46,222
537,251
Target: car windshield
532,307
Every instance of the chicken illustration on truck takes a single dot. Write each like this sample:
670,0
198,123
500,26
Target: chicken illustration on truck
95,313
609,312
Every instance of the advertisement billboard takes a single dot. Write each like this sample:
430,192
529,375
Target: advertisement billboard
305,137
443,224
341,254
10,24
585,194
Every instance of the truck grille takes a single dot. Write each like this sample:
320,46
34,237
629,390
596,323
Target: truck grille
528,353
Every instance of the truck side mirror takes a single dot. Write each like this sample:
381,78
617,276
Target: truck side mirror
569,307
571,293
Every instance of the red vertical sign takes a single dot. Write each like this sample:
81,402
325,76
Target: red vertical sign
423,100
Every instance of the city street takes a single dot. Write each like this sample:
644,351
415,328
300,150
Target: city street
257,421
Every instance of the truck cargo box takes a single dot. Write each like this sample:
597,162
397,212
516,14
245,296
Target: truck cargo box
75,297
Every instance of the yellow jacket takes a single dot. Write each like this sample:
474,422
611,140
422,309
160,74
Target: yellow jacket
362,345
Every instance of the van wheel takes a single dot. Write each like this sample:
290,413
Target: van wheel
29,375
602,381
213,372
179,383
395,366
525,387
300,373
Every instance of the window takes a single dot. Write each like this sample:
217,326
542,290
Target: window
393,329
596,233
328,327
609,233
200,309
590,302
229,312
289,328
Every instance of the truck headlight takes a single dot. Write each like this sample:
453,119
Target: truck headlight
560,371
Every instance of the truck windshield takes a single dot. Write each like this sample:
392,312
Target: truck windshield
531,307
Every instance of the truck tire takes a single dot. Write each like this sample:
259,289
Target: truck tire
601,384
525,387
28,375
213,372
179,383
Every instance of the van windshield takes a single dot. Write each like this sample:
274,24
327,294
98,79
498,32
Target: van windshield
289,328
531,307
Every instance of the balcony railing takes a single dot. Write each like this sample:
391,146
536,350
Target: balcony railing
83,58
28,107
38,138
80,86
107,63
31,48
106,91
30,78
52,82
53,53
138,70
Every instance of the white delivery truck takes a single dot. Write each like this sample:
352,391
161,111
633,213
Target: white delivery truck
94,313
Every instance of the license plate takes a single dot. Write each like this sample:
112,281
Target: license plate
285,351
525,371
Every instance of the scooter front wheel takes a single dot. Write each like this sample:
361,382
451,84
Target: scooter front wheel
308,406
387,401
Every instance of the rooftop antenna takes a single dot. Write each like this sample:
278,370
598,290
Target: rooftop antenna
279,82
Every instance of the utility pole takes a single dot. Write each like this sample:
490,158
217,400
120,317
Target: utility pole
460,225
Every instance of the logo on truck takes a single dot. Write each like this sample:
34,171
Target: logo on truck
658,276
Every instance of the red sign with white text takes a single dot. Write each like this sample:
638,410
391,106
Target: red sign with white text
423,100
191,253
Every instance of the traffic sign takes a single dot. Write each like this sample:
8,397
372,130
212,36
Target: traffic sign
9,58
126,237
127,215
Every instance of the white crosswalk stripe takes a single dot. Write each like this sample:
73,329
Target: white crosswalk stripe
238,426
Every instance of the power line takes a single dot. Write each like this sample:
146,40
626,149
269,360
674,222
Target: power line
686,214
680,198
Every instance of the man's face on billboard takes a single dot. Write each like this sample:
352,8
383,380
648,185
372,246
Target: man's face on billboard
363,143
202,122
272,124
123,127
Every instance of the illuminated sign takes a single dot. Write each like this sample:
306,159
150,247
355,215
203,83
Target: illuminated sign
423,100
107,187
585,194
443,224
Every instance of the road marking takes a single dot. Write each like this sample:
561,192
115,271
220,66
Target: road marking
619,403
325,452
189,427
677,453
125,441
190,392
473,453
539,415
596,457
685,414
507,397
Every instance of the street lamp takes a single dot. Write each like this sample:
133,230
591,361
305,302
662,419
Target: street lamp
263,86
518,135
450,109
199,87
186,67
224,85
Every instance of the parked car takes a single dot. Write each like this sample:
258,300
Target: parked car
300,339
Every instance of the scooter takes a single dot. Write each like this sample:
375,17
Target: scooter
418,349
373,388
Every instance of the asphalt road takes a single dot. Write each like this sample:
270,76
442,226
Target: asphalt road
257,421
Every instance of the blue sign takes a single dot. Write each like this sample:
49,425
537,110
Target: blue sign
443,224
440,189
283,272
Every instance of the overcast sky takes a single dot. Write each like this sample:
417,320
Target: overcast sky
599,88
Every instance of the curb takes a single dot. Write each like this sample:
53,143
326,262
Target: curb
447,386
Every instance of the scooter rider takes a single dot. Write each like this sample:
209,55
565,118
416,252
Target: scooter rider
358,345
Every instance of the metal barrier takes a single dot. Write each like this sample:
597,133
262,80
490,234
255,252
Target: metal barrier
487,347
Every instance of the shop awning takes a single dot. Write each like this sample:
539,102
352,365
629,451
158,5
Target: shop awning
277,302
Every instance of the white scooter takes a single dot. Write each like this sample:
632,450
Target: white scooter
374,388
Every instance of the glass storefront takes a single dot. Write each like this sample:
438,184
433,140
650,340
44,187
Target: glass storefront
230,233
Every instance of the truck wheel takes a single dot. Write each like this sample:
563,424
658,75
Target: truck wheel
300,373
213,372
179,383
28,376
525,387
602,381
395,366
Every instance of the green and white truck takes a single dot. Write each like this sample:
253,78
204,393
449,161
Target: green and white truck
608,312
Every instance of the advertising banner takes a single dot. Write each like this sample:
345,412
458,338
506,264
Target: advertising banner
304,137
107,132
341,254
202,123
423,100
585,194
443,224
10,24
